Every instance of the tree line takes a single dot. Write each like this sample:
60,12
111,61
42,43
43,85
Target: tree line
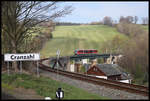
106,21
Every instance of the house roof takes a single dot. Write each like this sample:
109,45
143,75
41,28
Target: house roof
109,69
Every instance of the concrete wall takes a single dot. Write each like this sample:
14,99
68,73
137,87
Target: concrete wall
125,81
103,77
72,69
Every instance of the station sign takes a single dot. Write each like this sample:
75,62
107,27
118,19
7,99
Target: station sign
22,57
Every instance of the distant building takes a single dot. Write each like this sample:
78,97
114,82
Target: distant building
113,59
84,61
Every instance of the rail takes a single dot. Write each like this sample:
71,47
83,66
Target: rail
142,90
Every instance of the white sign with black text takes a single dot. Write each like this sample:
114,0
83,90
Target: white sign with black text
22,57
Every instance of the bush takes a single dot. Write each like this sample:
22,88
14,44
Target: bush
48,35
5,85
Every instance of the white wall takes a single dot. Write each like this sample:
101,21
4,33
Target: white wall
125,81
72,67
84,61
104,77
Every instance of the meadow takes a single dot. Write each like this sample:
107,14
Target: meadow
69,38
45,87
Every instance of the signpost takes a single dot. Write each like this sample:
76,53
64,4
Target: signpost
20,66
58,53
8,68
37,69
22,57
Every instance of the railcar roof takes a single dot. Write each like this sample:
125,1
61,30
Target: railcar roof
85,49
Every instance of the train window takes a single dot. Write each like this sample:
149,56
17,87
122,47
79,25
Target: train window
89,51
85,51
81,51
95,51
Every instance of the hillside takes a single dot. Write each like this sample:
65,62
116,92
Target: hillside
69,38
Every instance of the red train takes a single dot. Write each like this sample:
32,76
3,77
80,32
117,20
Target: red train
85,51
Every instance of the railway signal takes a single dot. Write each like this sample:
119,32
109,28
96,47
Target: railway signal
59,92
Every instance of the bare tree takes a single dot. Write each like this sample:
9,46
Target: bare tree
121,19
135,19
18,17
137,63
107,21
144,20
128,19
129,29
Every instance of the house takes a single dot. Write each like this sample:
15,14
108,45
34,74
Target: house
107,71
113,59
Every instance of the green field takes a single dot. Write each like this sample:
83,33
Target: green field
69,38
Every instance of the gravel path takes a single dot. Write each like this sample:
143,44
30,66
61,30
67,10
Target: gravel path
97,89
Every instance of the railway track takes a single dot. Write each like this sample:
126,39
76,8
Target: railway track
132,88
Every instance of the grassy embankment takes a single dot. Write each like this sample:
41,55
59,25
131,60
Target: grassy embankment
69,38
145,27
45,86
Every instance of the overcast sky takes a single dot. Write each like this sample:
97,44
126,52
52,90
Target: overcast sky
86,12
